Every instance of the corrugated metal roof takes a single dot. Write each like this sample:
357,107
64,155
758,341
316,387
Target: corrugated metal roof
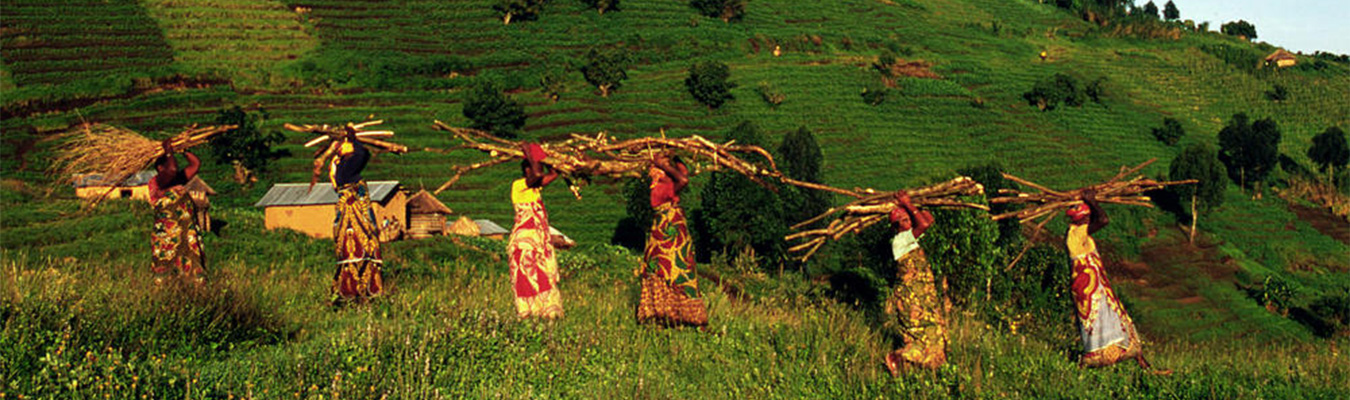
138,179
486,227
299,194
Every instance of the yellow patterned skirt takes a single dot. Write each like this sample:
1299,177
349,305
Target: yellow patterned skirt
917,314
176,243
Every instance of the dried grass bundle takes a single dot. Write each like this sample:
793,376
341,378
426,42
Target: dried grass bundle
872,207
601,156
334,135
118,153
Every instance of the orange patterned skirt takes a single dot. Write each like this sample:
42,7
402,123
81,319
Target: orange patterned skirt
917,314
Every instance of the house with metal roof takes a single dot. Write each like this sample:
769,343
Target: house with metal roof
136,186
309,210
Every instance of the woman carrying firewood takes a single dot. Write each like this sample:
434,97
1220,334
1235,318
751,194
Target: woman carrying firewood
356,236
914,303
669,283
1108,332
177,241
534,270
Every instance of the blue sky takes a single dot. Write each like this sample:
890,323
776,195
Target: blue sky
1297,25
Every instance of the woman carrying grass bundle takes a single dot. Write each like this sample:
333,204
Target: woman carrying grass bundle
534,270
176,242
669,284
1108,332
356,238
914,303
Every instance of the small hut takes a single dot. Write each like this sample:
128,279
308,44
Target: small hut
137,186
1281,58
463,227
426,215
311,211
201,192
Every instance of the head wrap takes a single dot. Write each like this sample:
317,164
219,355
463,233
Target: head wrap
534,152
1078,212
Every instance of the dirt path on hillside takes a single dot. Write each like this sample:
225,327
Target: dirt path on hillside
1172,274
1324,221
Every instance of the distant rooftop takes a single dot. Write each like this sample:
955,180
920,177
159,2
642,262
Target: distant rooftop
300,194
138,179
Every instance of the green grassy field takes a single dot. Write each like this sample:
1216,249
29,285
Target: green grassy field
156,66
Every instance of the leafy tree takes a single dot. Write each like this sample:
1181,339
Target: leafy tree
246,147
707,82
605,69
961,248
726,10
632,230
490,110
1199,162
1096,89
800,158
770,94
736,213
990,176
1249,149
874,93
1329,149
1048,93
885,64
1170,133
1170,11
1277,93
602,5
518,10
1239,28
1151,9
551,83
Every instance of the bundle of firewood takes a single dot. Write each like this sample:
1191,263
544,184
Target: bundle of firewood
334,135
118,153
1047,202
872,207
601,156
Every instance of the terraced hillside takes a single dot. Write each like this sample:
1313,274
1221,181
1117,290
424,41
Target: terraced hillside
158,65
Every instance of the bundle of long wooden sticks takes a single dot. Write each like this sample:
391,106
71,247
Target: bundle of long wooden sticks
1047,202
587,157
334,136
117,153
872,207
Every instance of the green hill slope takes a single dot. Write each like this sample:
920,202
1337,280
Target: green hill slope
155,66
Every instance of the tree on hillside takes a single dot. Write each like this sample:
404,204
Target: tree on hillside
246,147
1170,11
707,82
1249,149
1048,93
602,5
631,231
490,110
1239,28
726,10
800,158
1199,162
1329,150
736,213
518,10
1151,9
1171,132
605,69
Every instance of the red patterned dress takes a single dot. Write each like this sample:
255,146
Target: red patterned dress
176,240
669,282
356,242
534,270
1108,332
